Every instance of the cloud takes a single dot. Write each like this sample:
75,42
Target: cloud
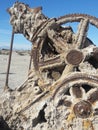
22,46
16,46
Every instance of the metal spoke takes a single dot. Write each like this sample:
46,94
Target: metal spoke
82,33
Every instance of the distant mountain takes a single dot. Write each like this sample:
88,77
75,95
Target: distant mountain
4,48
8,48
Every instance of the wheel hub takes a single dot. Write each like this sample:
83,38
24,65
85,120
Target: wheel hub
82,109
74,57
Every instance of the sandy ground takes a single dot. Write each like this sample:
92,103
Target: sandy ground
18,70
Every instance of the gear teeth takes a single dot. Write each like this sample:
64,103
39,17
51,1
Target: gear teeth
76,18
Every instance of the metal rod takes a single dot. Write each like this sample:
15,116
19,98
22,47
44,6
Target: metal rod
30,59
9,61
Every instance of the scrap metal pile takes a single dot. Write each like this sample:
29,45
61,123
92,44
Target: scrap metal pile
61,92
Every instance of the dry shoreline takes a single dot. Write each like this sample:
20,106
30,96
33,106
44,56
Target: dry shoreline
18,70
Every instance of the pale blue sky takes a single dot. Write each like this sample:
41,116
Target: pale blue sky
51,8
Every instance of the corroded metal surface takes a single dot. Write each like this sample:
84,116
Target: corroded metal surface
61,91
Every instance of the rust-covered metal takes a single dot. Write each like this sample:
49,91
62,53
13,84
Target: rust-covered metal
61,91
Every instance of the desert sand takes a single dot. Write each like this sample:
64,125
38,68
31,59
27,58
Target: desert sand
18,69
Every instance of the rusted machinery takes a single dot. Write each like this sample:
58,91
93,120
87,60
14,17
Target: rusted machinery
61,90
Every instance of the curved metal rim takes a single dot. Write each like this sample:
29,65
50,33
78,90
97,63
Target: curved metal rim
76,78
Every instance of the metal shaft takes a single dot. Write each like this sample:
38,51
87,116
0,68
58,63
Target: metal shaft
9,60
30,60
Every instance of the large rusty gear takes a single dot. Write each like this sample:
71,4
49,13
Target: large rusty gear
69,54
61,91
